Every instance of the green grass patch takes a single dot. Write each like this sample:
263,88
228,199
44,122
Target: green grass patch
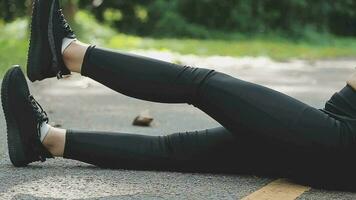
14,43
276,49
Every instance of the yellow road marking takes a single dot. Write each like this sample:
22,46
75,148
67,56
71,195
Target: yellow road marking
280,189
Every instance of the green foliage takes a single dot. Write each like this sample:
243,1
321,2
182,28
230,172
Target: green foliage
13,44
11,9
89,30
314,46
276,48
295,19
173,23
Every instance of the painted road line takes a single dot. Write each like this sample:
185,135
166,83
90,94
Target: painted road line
280,189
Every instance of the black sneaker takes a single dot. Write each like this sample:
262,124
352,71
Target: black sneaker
23,117
39,58
58,29
48,28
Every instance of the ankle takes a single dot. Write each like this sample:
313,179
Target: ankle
73,56
54,142
352,81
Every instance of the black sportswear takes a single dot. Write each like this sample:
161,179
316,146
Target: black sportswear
259,119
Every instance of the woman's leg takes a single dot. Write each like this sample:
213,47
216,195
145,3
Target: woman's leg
232,102
212,150
206,150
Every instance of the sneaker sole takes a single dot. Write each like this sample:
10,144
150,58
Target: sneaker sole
15,148
34,52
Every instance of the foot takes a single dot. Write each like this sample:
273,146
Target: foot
24,117
48,29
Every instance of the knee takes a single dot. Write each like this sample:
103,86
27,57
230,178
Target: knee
197,78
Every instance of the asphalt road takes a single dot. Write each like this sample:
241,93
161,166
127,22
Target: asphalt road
79,103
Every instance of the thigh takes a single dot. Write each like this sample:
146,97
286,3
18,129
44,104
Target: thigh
268,114
219,150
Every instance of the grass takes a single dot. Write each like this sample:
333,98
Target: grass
316,47
13,45
14,39
277,49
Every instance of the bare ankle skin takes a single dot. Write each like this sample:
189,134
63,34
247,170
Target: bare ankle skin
54,142
352,81
73,56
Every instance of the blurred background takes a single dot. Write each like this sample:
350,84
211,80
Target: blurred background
304,48
281,30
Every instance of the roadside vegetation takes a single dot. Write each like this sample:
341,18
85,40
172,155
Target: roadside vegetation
14,43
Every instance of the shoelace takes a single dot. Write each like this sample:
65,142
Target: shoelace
67,29
41,116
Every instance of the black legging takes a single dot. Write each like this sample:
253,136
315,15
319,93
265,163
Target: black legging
257,121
